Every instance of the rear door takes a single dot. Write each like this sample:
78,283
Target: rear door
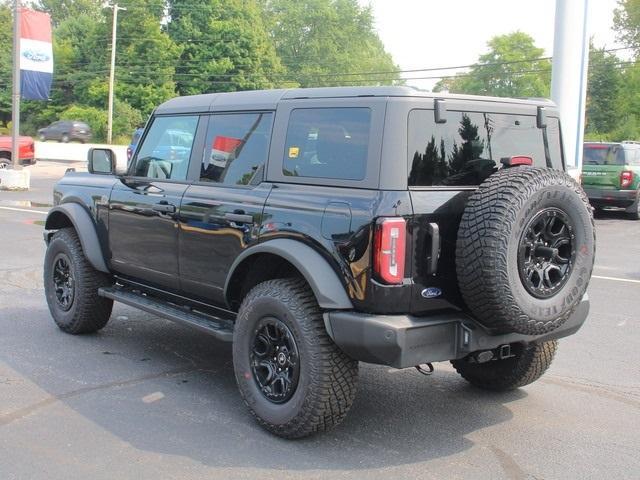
143,209
602,164
446,163
222,211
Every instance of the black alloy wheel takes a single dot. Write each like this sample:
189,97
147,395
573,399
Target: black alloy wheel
274,360
546,253
63,281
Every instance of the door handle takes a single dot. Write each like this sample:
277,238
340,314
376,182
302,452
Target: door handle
164,208
434,232
238,217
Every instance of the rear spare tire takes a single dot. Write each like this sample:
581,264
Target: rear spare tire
525,250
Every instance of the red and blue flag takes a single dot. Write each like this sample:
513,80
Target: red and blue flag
36,55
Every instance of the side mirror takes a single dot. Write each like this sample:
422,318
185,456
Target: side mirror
103,161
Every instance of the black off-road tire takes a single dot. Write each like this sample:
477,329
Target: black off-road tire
490,235
528,365
327,380
5,160
88,312
633,212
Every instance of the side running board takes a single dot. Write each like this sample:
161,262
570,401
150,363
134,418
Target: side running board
220,328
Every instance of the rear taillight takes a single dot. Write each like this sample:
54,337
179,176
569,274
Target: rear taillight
626,179
389,246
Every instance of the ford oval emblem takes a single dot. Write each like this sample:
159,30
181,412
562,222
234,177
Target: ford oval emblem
431,292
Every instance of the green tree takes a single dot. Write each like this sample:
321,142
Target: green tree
61,10
328,42
603,90
6,82
225,46
513,67
626,22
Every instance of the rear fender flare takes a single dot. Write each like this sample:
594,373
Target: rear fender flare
84,227
323,280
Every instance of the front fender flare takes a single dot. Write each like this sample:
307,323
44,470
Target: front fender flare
323,280
85,229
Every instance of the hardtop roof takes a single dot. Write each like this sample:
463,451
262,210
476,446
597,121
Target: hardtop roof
269,99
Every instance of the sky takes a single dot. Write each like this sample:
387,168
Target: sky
442,33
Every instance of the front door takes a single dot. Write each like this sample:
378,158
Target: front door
221,212
144,206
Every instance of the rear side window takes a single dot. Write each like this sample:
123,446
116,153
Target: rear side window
237,148
633,157
328,143
466,149
603,154
166,149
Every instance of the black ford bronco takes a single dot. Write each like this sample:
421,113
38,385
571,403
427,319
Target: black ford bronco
316,228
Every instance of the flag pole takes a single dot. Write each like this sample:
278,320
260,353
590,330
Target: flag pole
15,108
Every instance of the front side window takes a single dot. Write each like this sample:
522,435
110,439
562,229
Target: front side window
328,143
237,148
166,149
468,148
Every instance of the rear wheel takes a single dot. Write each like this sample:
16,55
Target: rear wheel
634,210
5,160
65,138
292,377
527,365
71,286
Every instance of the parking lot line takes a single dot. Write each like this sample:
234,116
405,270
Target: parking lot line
23,210
615,279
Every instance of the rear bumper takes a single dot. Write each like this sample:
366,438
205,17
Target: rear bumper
612,198
402,341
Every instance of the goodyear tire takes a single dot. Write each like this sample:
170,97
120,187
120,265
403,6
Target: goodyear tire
525,250
292,377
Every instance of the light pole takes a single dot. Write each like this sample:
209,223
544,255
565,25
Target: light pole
112,72
15,100
569,73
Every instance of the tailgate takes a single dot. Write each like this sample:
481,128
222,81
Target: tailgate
606,177
434,230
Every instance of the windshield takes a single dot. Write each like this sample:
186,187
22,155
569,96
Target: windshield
603,154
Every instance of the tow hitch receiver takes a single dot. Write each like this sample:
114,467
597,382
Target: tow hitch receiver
500,353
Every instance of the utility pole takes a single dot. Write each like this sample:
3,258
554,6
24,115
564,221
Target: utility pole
15,107
112,72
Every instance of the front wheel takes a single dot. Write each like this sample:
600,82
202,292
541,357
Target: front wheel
71,286
292,377
526,366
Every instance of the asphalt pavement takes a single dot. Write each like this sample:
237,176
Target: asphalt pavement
147,399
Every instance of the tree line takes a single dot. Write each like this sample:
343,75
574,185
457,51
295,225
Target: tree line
515,67
184,47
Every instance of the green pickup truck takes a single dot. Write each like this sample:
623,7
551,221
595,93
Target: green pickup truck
611,175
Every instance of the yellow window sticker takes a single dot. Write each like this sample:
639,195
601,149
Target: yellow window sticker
294,152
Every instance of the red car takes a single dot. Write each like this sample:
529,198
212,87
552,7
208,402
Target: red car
27,156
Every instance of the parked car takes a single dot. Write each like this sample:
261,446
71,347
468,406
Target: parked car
611,175
27,151
66,131
135,138
316,228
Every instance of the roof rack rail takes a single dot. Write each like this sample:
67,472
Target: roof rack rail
633,142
